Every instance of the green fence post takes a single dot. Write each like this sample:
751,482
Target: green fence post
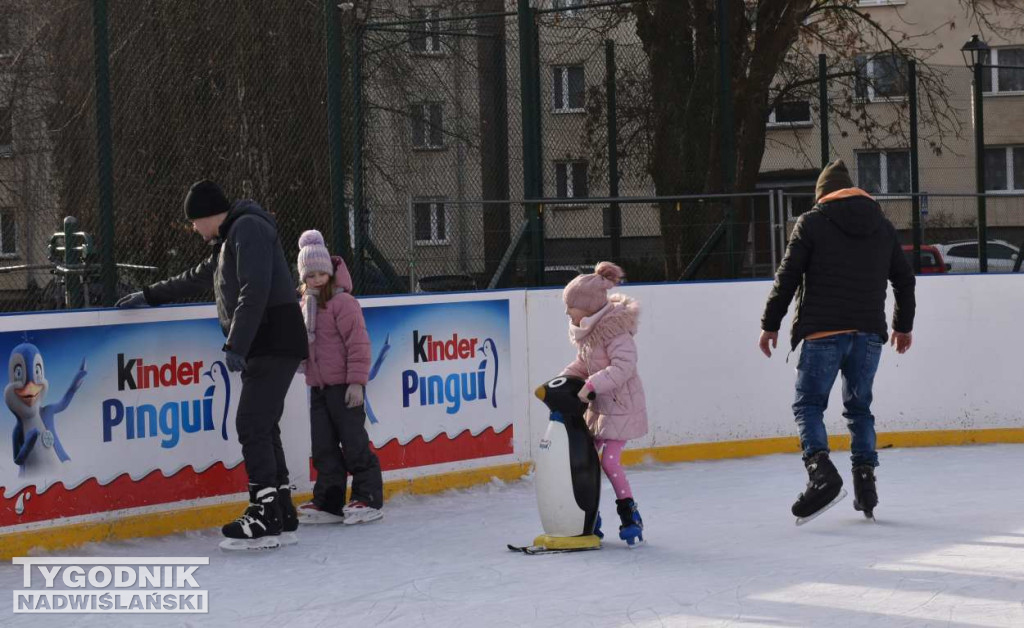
728,137
339,218
533,186
615,213
105,153
915,164
823,109
358,201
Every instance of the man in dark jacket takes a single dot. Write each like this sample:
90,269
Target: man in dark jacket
840,257
266,340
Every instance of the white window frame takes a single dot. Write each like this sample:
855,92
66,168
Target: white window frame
436,205
1011,185
809,122
571,7
569,184
883,165
9,213
869,71
880,3
994,73
564,87
431,31
422,110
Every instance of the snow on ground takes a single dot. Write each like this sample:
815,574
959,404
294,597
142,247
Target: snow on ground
947,550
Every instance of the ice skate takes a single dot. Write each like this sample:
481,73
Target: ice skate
824,489
865,495
259,527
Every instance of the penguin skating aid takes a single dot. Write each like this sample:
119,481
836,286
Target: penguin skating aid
567,474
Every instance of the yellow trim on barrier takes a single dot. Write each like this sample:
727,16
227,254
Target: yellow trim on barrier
785,445
199,517
170,522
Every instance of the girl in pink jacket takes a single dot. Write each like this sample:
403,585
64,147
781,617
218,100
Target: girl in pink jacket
602,329
336,372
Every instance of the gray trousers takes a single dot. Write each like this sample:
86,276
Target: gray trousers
265,382
341,447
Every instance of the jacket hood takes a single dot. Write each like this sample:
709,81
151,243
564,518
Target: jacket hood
853,211
245,208
342,278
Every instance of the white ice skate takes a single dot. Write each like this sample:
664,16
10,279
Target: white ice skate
358,512
310,514
242,545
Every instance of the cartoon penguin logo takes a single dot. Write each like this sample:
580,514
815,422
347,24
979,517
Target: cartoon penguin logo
36,444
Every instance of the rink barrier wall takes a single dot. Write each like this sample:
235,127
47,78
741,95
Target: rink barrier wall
210,516
711,395
119,527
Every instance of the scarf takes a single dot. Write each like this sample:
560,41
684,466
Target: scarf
309,312
586,325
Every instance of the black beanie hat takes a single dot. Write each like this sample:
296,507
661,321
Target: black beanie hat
205,199
834,177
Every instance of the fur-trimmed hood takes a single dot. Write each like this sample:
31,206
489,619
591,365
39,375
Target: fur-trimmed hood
622,317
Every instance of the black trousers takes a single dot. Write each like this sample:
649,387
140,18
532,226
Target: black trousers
333,425
265,383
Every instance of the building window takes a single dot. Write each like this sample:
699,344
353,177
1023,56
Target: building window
427,125
6,45
1007,79
886,172
789,114
879,3
571,179
568,88
1004,169
569,6
428,38
430,222
8,233
6,132
881,77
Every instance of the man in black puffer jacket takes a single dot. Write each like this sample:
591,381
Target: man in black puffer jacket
841,256
266,340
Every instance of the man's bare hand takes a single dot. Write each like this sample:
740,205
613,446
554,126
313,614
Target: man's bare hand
901,341
769,340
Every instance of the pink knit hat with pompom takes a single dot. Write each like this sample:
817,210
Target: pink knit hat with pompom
313,255
589,293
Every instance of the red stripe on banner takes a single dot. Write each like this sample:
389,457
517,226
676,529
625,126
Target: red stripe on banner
420,453
92,497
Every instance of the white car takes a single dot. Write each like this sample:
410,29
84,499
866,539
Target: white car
962,257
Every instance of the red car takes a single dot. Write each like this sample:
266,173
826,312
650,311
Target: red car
931,259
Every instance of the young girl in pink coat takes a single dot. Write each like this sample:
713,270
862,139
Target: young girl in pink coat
602,329
336,372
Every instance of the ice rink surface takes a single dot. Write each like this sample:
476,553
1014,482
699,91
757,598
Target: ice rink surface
723,550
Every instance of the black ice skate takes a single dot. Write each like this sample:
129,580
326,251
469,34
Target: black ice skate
865,496
289,516
259,527
824,489
632,529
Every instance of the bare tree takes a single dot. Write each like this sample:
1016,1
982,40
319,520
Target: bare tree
773,46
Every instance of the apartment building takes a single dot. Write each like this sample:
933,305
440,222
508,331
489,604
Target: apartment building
432,138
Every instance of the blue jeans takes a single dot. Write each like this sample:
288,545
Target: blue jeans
856,356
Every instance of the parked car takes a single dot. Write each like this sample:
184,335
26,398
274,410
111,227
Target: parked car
932,261
962,257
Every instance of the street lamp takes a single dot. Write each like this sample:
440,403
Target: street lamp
974,53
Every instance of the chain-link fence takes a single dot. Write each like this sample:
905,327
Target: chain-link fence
231,91
451,114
